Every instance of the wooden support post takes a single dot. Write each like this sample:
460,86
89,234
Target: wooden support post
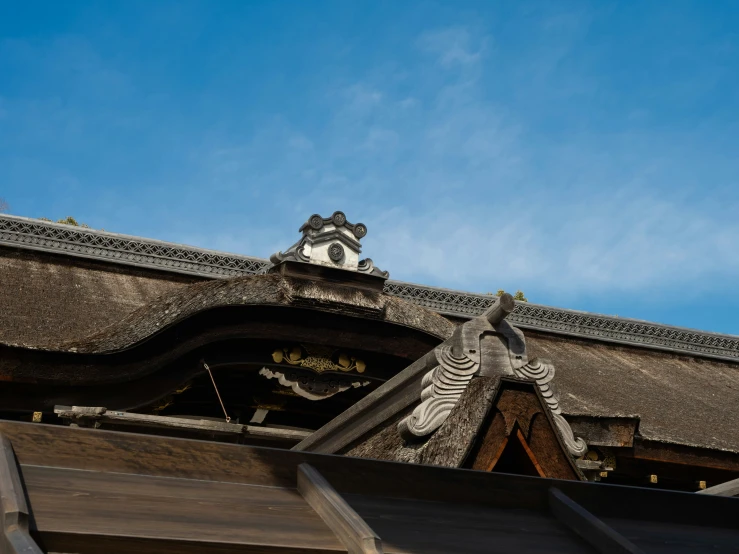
730,488
14,510
348,525
599,535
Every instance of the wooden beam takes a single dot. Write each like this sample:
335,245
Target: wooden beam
99,450
530,454
599,535
88,414
16,539
377,407
730,488
605,431
348,525
501,309
685,455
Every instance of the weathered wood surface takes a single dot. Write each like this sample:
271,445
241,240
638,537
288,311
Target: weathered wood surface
83,511
100,450
677,454
350,528
605,431
602,537
730,488
500,310
660,538
14,517
89,415
458,528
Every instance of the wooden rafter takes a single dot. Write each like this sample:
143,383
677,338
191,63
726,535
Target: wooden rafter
350,528
16,538
601,536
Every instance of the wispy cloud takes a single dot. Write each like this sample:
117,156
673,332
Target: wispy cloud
461,191
539,154
453,46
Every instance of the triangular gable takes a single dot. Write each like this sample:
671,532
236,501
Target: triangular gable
519,436
499,424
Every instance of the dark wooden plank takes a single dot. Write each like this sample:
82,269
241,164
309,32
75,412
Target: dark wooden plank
349,527
668,538
602,537
16,538
677,454
442,528
97,507
62,542
98,450
730,488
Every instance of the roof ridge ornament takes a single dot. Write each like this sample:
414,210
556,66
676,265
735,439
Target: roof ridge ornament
331,242
464,356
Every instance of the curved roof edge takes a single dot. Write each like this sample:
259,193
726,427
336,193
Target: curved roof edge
34,234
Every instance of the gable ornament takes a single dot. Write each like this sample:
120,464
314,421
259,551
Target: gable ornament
486,346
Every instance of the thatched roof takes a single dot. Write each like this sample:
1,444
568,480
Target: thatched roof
170,260
262,290
86,291
58,298
679,399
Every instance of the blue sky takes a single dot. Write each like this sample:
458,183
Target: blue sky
584,152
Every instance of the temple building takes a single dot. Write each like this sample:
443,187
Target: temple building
311,384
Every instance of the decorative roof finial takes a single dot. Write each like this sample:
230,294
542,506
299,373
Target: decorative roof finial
331,242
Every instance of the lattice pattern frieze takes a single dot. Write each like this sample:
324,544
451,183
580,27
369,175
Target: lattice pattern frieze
612,329
58,238
441,300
